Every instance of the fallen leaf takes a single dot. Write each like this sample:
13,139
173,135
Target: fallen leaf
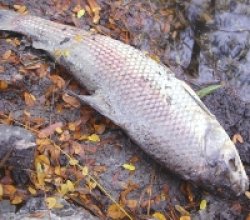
3,85
32,190
70,186
80,13
7,55
20,9
237,138
159,216
94,138
181,210
73,162
17,200
208,90
131,203
49,130
71,100
115,212
247,194
50,202
129,167
185,217
203,204
58,81
99,129
1,190
85,171
63,189
9,190
30,100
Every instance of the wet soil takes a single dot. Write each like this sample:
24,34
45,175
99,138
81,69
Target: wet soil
189,38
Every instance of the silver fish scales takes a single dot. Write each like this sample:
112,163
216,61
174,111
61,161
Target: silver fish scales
162,114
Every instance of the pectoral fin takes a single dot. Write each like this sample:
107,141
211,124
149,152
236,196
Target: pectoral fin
98,102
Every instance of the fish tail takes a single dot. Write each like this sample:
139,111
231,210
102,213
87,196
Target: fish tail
8,20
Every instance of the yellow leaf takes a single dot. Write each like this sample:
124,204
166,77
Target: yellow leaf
203,204
80,13
237,138
70,186
58,170
42,159
32,190
185,217
1,190
247,194
94,138
63,189
129,167
159,216
181,210
114,212
73,162
59,130
91,185
85,171
16,200
50,202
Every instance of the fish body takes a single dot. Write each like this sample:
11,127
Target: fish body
162,114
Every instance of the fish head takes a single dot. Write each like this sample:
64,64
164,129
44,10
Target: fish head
224,168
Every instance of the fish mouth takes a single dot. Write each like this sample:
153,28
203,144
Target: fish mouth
234,169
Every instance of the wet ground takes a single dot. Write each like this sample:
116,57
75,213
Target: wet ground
204,42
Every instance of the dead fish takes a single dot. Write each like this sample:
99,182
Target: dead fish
162,114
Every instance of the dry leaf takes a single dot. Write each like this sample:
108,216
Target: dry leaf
159,216
85,171
80,13
185,217
30,100
114,212
237,138
70,186
129,167
9,190
247,194
49,130
1,190
203,204
181,210
7,55
3,85
58,81
94,138
16,200
32,190
99,129
73,162
71,100
50,202
132,204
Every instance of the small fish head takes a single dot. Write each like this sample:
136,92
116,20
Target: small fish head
223,165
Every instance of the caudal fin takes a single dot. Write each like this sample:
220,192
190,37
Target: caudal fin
7,20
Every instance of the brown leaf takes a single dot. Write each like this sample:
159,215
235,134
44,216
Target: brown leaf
71,100
114,212
9,190
7,55
3,85
58,81
30,100
99,129
49,130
